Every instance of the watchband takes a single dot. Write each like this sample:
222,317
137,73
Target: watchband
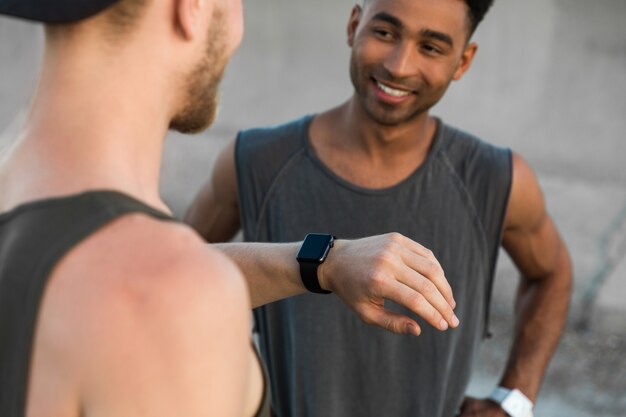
308,273
313,251
513,402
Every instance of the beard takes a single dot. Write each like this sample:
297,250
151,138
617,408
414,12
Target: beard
199,109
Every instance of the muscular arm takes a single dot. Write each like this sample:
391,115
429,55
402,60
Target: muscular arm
215,211
363,273
534,244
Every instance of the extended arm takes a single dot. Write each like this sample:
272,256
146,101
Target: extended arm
363,273
534,244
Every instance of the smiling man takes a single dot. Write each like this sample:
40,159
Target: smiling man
380,163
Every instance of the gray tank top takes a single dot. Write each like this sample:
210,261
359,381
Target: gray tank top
33,238
323,361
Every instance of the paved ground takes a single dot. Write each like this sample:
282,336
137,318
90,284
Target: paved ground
549,81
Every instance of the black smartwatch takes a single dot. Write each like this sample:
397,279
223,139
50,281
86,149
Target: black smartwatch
312,253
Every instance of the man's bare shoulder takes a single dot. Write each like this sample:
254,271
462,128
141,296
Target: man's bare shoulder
138,262
138,251
142,299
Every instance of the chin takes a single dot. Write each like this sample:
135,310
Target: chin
190,128
196,117
192,125
390,118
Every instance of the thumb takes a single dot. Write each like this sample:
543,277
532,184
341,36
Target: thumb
393,322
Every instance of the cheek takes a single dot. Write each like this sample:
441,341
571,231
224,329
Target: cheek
364,56
374,56
437,74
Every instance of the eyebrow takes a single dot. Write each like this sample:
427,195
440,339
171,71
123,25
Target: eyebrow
425,33
440,36
386,17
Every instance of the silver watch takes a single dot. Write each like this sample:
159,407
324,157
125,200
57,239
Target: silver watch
513,402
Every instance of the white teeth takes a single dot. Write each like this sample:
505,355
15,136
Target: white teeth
392,91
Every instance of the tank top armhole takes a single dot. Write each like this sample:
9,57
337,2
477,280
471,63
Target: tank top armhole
264,409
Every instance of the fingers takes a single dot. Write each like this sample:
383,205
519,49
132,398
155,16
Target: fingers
428,289
426,280
394,268
467,406
474,407
424,262
388,320
426,302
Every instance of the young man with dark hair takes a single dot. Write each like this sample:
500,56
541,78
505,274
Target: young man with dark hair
379,163
109,307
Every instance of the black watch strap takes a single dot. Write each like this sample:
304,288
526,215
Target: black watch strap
308,273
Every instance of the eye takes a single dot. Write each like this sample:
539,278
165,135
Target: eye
383,34
431,49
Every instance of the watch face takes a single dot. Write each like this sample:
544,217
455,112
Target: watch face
314,248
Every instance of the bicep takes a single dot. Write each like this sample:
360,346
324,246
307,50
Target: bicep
214,212
530,236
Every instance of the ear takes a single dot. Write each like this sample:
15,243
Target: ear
466,61
353,23
188,17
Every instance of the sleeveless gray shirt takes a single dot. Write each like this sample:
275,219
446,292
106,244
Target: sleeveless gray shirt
323,361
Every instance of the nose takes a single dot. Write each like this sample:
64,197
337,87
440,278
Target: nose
401,62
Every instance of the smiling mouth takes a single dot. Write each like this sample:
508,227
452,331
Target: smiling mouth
394,92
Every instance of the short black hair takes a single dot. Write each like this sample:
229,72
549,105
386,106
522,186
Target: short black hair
477,11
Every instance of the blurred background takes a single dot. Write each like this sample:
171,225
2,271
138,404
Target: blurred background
549,81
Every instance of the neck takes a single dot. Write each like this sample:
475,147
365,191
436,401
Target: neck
378,140
96,122
354,146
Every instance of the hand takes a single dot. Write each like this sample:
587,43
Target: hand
366,272
475,407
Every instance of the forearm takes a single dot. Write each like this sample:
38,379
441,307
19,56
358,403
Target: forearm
271,270
363,273
541,312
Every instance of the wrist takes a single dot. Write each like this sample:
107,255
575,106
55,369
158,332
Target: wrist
513,401
325,270
321,276
312,256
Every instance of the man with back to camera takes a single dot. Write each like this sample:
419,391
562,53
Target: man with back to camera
381,163
108,307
